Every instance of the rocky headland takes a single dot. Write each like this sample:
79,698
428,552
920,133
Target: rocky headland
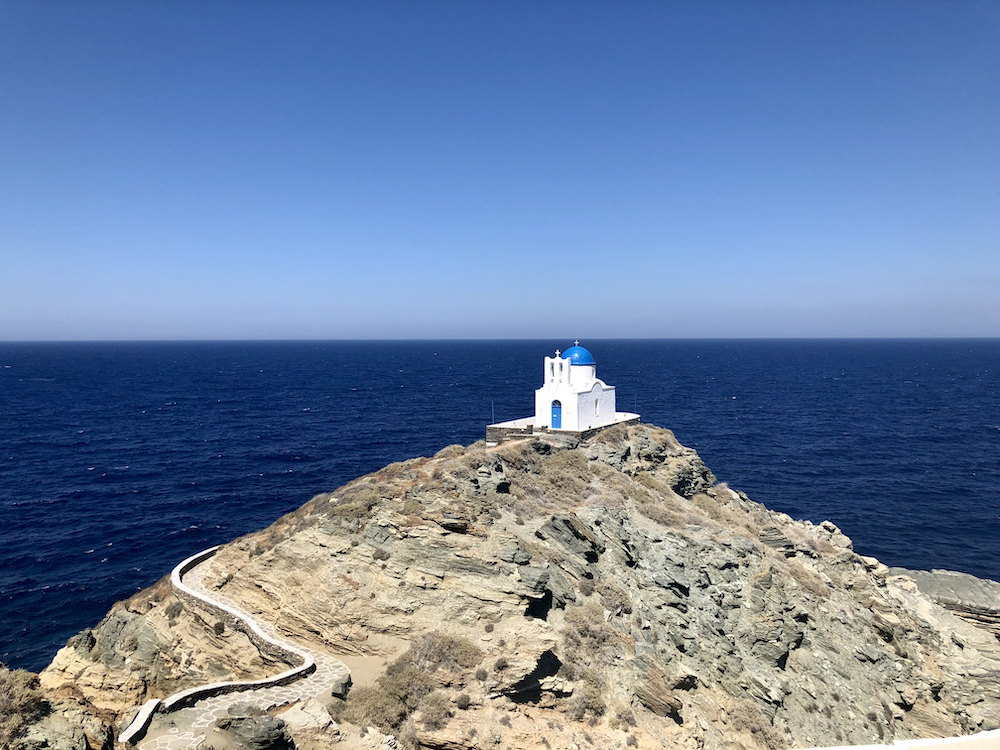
541,594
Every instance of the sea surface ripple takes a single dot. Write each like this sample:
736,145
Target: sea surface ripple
119,459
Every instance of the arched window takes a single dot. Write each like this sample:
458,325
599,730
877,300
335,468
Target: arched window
597,407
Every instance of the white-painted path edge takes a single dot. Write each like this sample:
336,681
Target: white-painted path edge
982,741
211,698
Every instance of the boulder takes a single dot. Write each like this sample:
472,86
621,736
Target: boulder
256,732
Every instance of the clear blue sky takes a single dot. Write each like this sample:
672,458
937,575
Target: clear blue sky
212,169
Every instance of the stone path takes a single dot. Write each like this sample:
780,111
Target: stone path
189,727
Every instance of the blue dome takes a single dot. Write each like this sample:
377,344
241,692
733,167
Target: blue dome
577,355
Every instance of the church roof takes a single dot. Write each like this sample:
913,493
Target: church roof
577,355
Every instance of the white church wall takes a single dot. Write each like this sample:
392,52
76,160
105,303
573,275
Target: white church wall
585,401
596,407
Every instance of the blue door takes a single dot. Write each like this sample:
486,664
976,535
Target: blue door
556,415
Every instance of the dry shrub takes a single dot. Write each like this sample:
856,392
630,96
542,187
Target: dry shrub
710,506
586,634
475,457
587,697
461,471
624,717
401,471
372,706
807,579
807,538
519,455
660,514
173,610
409,680
614,598
652,482
356,502
145,600
435,650
746,717
406,737
435,710
614,436
565,476
22,703
524,507
393,697
450,451
722,510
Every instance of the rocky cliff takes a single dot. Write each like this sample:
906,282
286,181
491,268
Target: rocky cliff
538,595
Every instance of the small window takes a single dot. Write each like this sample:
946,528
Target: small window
597,407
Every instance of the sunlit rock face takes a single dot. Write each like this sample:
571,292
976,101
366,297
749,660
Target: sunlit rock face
607,595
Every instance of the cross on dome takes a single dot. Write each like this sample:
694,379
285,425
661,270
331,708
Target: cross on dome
557,352
576,343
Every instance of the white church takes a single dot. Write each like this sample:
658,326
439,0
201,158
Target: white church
572,399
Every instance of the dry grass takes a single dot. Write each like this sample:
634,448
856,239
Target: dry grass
804,537
807,579
22,703
660,514
450,451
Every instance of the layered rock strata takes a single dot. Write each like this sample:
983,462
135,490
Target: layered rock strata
616,596
973,599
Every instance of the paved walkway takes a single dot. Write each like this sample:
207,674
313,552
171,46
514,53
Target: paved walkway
188,727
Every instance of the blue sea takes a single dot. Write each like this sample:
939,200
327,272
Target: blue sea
119,459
